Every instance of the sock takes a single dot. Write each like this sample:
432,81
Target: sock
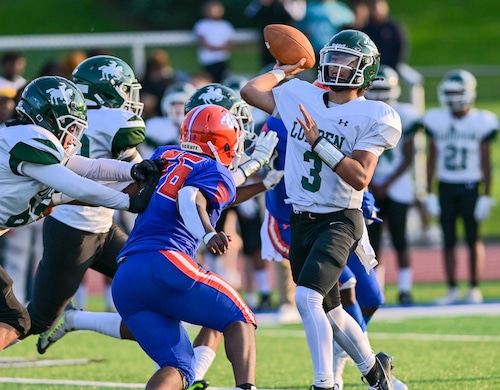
348,334
204,356
263,285
405,280
355,312
318,334
105,323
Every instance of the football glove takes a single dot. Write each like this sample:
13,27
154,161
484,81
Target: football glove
273,178
264,147
142,170
368,208
140,201
431,204
483,207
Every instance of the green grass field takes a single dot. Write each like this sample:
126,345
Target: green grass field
440,353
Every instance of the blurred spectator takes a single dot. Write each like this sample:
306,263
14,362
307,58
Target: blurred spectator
158,77
323,19
388,34
13,67
361,11
215,40
266,12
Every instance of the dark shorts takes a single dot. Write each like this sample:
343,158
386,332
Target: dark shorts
319,249
67,255
394,215
12,312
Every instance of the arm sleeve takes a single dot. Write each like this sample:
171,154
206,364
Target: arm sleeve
101,169
64,180
186,201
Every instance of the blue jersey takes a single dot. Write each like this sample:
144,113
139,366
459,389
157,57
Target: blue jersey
160,226
275,198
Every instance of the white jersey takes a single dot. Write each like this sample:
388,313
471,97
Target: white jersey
402,189
24,199
458,142
360,124
160,131
110,132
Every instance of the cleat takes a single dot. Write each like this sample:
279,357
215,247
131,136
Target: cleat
398,385
474,296
383,376
405,299
63,325
452,297
199,385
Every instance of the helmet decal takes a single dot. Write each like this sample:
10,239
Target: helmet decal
111,71
60,94
212,95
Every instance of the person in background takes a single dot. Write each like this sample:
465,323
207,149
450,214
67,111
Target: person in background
159,75
392,184
264,12
215,40
460,136
323,19
388,34
13,67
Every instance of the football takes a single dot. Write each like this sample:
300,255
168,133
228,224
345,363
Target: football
288,45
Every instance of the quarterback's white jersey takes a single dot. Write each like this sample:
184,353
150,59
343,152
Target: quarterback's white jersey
24,199
110,132
160,131
458,142
402,189
360,124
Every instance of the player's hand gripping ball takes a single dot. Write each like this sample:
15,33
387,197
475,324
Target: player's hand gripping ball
288,45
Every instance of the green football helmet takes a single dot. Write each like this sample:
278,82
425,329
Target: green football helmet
108,81
349,60
457,90
57,105
385,86
221,95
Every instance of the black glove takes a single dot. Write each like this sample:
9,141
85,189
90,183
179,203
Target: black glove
139,202
142,170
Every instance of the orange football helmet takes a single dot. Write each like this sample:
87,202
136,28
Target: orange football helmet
212,130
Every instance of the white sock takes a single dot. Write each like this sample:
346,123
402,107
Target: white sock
105,323
348,333
81,297
405,280
203,358
263,285
318,334
380,275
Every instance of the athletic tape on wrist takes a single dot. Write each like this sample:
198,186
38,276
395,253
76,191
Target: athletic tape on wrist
328,152
207,237
278,73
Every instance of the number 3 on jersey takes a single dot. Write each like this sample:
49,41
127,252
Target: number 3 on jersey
179,166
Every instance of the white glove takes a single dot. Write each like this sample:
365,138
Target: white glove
431,204
272,178
483,207
264,147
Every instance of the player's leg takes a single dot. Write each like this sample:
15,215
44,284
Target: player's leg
449,213
397,216
14,318
474,244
